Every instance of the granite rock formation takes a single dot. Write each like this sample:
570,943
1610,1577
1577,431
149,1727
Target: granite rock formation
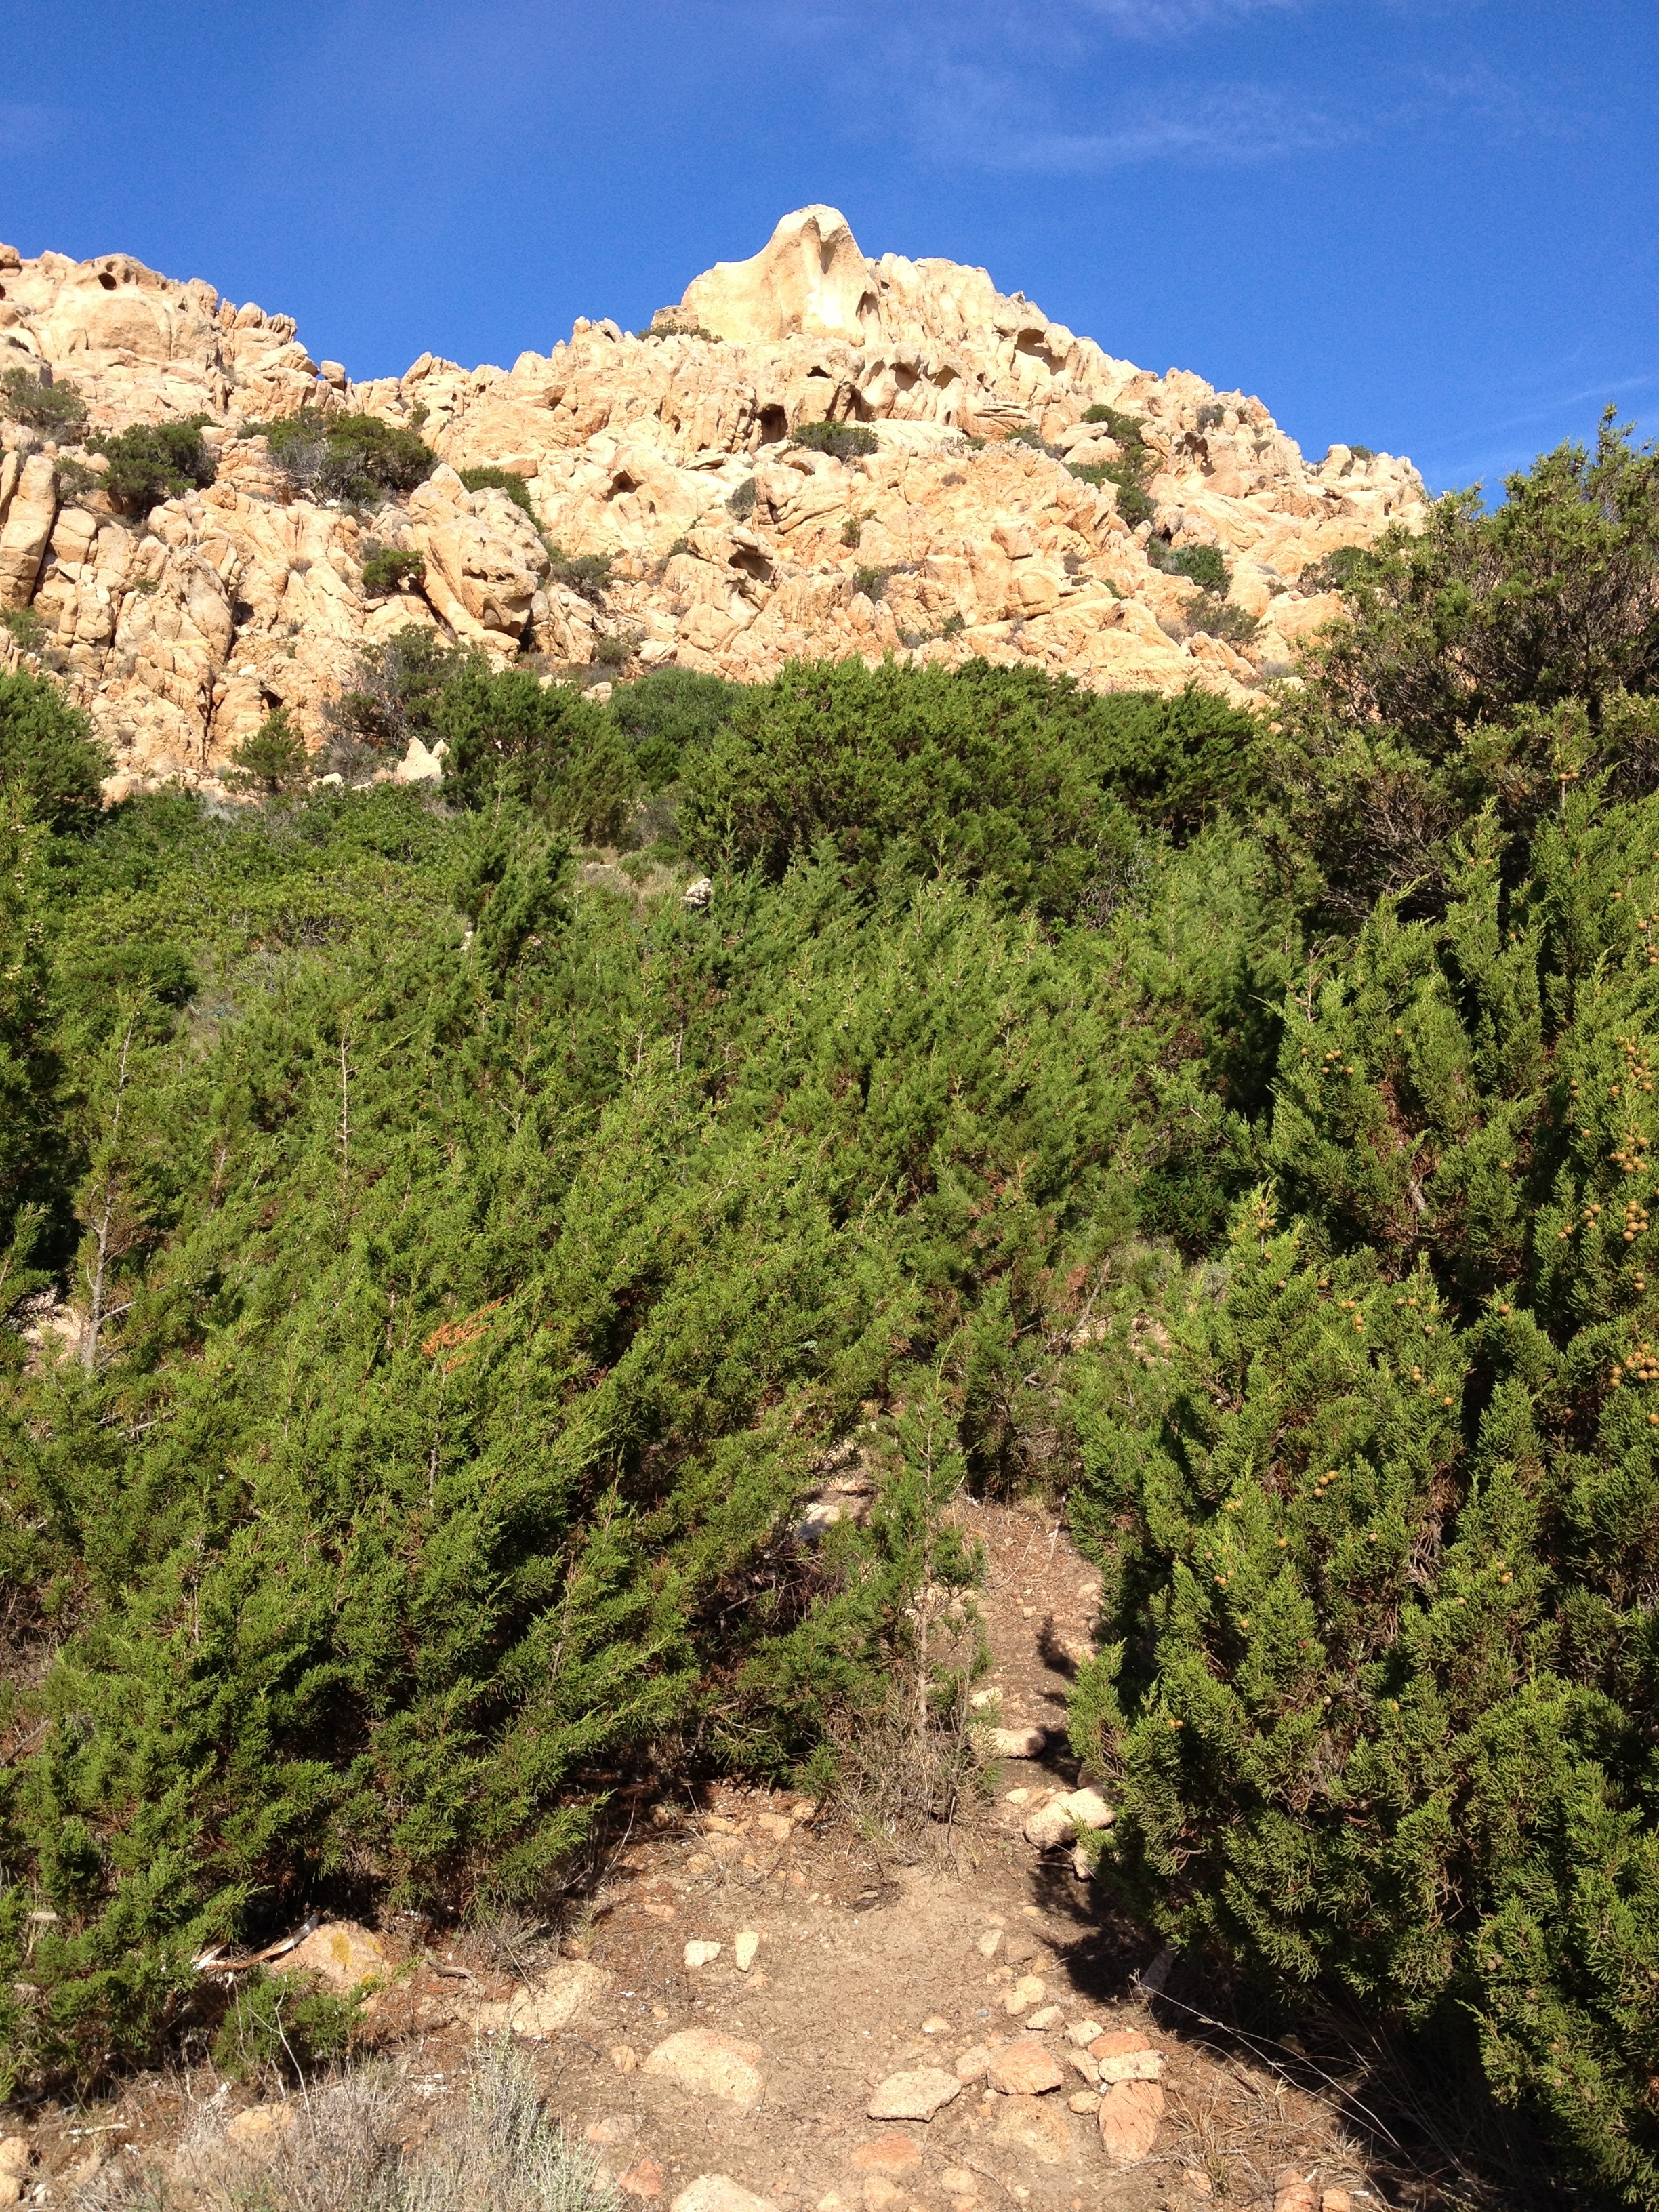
965,531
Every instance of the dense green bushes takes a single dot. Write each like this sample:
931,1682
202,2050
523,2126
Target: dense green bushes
613,1216
1020,782
467,1268
1381,1534
50,767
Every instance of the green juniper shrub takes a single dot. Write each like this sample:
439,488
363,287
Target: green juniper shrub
1027,433
873,582
1023,781
1376,1674
1134,503
1129,473
274,760
741,502
355,458
283,2026
385,570
51,765
491,479
40,402
616,1221
1124,428
587,575
544,745
954,624
31,1078
27,628
392,696
155,461
1203,564
670,714
1339,571
1497,658
1217,617
842,441
76,482
1375,1667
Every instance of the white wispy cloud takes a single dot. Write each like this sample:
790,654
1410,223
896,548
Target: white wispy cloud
993,120
1177,18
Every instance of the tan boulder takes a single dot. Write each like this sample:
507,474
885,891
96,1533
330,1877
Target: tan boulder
27,531
717,2192
343,1955
914,2096
1062,1819
712,2065
542,2008
1129,2115
484,563
1024,2068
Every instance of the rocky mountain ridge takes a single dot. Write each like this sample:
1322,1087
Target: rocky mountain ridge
967,529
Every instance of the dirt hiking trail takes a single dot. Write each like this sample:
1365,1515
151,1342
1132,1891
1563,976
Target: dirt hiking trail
761,2006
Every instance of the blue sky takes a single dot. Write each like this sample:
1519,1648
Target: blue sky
1429,226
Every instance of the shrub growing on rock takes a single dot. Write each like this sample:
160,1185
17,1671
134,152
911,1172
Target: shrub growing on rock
385,570
489,479
356,459
1203,564
155,461
1215,617
842,441
55,407
1128,473
392,696
587,575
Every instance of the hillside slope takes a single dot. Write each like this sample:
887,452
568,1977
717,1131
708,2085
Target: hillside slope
966,531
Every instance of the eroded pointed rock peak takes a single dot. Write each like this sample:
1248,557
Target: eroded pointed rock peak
811,279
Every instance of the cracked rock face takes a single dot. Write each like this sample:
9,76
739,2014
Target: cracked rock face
731,550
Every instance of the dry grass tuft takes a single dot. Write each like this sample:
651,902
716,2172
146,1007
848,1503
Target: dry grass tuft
339,2148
